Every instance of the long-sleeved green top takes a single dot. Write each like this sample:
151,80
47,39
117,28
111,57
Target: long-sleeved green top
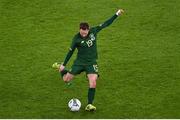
87,48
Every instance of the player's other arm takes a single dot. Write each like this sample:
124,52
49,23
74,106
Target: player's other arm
69,54
109,21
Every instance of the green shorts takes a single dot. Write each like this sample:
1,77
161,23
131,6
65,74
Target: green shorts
89,69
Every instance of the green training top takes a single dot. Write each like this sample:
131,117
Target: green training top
87,49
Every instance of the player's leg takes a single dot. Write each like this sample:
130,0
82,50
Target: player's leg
68,77
75,69
91,91
92,87
64,73
92,74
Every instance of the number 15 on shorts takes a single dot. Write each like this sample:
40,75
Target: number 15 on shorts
95,68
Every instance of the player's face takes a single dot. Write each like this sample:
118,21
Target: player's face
84,33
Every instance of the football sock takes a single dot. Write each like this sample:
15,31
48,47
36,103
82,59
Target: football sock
91,94
63,72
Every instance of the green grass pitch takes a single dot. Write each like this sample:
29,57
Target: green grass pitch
139,58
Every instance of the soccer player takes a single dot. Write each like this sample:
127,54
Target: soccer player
85,42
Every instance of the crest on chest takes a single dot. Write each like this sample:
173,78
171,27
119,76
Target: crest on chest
92,37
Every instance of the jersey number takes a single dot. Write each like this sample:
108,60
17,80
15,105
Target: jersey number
89,43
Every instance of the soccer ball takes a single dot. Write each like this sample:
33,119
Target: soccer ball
74,104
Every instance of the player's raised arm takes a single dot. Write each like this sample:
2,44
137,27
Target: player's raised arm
109,21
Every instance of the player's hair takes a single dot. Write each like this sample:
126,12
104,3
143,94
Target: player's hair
84,25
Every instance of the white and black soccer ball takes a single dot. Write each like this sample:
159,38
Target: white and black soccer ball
74,104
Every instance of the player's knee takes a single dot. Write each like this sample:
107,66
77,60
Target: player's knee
92,80
67,77
92,83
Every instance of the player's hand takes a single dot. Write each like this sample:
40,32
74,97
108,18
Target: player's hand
61,68
120,12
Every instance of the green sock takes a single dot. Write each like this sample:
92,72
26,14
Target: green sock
63,72
91,94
